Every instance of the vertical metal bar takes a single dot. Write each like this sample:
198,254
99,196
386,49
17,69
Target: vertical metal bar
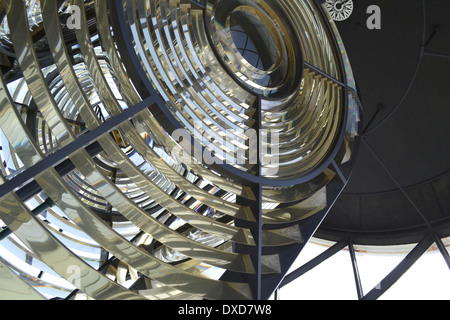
400,270
277,296
442,249
257,234
359,288
258,214
255,252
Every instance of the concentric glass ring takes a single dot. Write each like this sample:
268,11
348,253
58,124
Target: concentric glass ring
167,149
195,65
272,34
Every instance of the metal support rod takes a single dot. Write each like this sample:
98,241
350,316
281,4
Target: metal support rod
400,270
375,115
256,254
425,42
442,249
294,275
277,295
84,140
30,189
358,284
339,172
381,162
259,197
437,55
256,229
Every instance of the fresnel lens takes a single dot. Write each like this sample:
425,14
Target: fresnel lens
167,149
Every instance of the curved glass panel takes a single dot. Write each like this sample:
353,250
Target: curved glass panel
166,149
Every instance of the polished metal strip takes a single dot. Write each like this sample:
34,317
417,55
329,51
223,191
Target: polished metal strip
329,136
50,251
30,155
210,200
76,91
217,180
115,196
110,102
173,206
2,178
15,130
13,287
27,58
159,130
164,234
50,175
126,251
145,185
299,211
42,281
122,203
173,13
50,180
183,100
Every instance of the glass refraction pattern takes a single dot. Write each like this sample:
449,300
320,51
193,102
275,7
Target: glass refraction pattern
101,199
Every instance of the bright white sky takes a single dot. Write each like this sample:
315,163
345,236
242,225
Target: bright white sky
428,279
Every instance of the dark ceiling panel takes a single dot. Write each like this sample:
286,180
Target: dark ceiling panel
401,180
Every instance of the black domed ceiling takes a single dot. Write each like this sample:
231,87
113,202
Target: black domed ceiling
400,187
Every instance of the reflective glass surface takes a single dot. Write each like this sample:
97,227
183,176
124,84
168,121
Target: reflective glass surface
138,164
